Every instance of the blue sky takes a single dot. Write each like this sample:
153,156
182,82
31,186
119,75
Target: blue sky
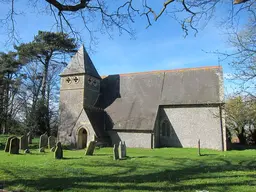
161,46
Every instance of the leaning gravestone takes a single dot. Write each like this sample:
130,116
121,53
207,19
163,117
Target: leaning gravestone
90,148
122,150
29,136
14,146
43,142
53,149
58,151
26,151
7,145
51,142
41,150
115,152
23,142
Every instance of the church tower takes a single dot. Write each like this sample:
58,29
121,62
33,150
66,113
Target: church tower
79,92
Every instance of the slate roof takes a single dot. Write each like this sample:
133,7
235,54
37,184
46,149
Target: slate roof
80,64
132,100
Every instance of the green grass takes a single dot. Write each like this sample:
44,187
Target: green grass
166,169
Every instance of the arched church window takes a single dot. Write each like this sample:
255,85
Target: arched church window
165,128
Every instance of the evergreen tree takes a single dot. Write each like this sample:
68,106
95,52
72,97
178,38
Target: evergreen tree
9,83
47,49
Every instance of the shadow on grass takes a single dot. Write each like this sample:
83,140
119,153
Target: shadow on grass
241,147
67,158
131,178
102,155
207,155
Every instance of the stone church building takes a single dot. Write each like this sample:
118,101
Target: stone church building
169,108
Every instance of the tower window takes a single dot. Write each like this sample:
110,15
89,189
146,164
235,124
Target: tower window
76,79
95,83
90,80
68,80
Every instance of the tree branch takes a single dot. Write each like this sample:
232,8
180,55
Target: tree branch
61,7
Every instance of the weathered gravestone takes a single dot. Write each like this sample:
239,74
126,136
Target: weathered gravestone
53,149
58,151
122,150
23,142
29,136
41,150
51,142
7,145
26,151
43,142
91,147
115,152
14,146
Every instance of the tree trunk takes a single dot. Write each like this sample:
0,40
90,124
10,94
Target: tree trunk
4,105
44,87
45,76
1,103
242,137
48,110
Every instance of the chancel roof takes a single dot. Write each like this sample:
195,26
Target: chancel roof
132,100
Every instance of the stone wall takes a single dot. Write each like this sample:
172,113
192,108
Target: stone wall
188,124
72,114
133,140
71,106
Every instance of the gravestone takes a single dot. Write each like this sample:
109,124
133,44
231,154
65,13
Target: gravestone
43,142
90,149
7,145
26,151
14,146
53,149
23,142
124,145
51,142
41,150
58,151
115,152
29,136
122,150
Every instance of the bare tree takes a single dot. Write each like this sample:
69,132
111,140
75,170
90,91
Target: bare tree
242,57
46,49
105,16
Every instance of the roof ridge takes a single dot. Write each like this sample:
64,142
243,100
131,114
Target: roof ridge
167,71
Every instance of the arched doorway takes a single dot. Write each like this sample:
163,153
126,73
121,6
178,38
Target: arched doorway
82,138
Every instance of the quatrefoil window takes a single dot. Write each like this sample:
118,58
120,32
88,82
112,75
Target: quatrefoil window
68,80
76,79
95,83
90,80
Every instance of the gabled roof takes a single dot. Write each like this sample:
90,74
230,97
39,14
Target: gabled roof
133,99
80,64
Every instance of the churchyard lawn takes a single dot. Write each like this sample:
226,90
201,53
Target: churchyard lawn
166,169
